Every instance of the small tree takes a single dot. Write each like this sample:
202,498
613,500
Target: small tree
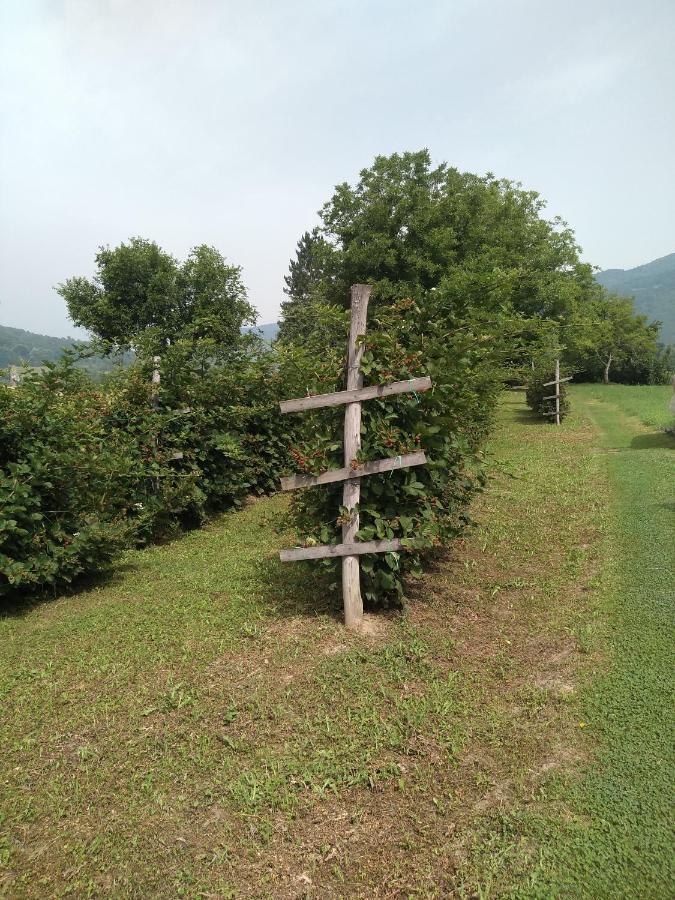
306,274
610,335
141,297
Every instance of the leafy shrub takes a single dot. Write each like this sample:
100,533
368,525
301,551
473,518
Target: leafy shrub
538,395
62,510
220,415
87,469
425,506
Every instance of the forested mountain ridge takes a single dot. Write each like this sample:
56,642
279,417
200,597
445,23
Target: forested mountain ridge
653,287
268,331
18,346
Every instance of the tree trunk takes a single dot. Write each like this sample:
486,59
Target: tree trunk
605,377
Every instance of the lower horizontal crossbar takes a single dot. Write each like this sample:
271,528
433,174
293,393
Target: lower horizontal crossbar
324,551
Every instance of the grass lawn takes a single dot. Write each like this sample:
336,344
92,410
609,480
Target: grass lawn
647,403
201,725
620,843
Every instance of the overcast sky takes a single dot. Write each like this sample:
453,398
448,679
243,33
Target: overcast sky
229,123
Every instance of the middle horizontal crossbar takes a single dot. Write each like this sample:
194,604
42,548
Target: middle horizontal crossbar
326,550
291,482
413,385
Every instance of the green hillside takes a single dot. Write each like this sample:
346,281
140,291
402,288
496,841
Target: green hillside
268,332
18,346
652,286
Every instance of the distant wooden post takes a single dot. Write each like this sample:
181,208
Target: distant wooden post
557,382
351,548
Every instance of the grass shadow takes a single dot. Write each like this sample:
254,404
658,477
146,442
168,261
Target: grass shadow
528,417
288,590
653,440
18,605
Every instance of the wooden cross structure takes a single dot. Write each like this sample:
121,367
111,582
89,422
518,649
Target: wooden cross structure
350,549
557,382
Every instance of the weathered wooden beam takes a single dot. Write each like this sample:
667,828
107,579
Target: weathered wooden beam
291,482
351,550
351,492
356,395
557,381
551,397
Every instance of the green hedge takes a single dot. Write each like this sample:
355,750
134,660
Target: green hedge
86,469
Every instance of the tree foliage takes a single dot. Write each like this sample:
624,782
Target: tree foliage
608,340
142,297
409,228
305,272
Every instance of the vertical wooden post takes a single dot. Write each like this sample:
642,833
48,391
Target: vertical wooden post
557,392
155,380
351,581
155,403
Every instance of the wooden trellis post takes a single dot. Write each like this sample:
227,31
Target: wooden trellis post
350,549
557,382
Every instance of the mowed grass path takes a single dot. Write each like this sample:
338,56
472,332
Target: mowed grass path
621,844
201,725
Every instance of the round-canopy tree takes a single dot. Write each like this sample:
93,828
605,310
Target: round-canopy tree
142,297
408,227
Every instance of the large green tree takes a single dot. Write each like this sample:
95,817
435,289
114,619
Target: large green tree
142,297
408,227
471,284
411,228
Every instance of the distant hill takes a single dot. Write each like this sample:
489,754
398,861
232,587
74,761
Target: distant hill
652,286
268,332
18,346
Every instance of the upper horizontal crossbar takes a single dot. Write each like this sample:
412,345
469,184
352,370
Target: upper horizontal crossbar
414,385
559,381
291,482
